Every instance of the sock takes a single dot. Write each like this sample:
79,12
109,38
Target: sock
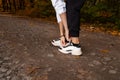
76,45
66,41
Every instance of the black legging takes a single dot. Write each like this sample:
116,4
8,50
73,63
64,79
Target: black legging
73,16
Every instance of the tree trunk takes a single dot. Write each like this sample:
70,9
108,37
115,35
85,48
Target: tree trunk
14,5
3,5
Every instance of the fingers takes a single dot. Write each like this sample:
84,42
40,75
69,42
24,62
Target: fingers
63,41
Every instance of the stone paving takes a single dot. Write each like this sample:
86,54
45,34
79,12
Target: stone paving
27,54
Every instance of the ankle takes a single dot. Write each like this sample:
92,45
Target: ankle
76,45
75,40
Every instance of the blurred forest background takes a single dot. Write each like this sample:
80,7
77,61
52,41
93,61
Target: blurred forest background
105,13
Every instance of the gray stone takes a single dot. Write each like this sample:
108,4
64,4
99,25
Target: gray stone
104,63
14,78
107,59
103,69
90,78
17,62
49,69
93,54
20,44
9,72
1,62
111,67
2,79
8,77
9,64
114,58
25,48
112,71
25,52
91,65
6,58
82,72
95,62
3,70
1,75
5,64
50,55
80,76
28,78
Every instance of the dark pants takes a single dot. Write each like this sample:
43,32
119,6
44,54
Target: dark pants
73,16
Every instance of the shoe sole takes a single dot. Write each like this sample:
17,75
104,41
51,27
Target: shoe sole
65,52
72,53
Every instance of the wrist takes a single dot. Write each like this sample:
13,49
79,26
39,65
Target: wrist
61,36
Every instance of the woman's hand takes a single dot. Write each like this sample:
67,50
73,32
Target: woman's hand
62,40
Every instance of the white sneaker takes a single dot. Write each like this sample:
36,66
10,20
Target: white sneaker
71,49
56,43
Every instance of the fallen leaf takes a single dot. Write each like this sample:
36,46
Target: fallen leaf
114,33
104,51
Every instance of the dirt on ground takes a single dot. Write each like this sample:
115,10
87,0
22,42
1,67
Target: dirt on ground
26,53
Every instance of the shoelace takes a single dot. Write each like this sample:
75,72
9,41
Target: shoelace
69,44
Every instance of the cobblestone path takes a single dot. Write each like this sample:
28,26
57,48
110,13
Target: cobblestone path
27,54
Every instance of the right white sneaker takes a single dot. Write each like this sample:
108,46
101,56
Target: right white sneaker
70,49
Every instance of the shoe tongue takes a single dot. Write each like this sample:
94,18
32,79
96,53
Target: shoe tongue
57,39
71,43
68,44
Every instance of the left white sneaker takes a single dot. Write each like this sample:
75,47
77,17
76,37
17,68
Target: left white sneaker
71,49
56,43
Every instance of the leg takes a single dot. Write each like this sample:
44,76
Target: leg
60,8
64,22
60,42
73,17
